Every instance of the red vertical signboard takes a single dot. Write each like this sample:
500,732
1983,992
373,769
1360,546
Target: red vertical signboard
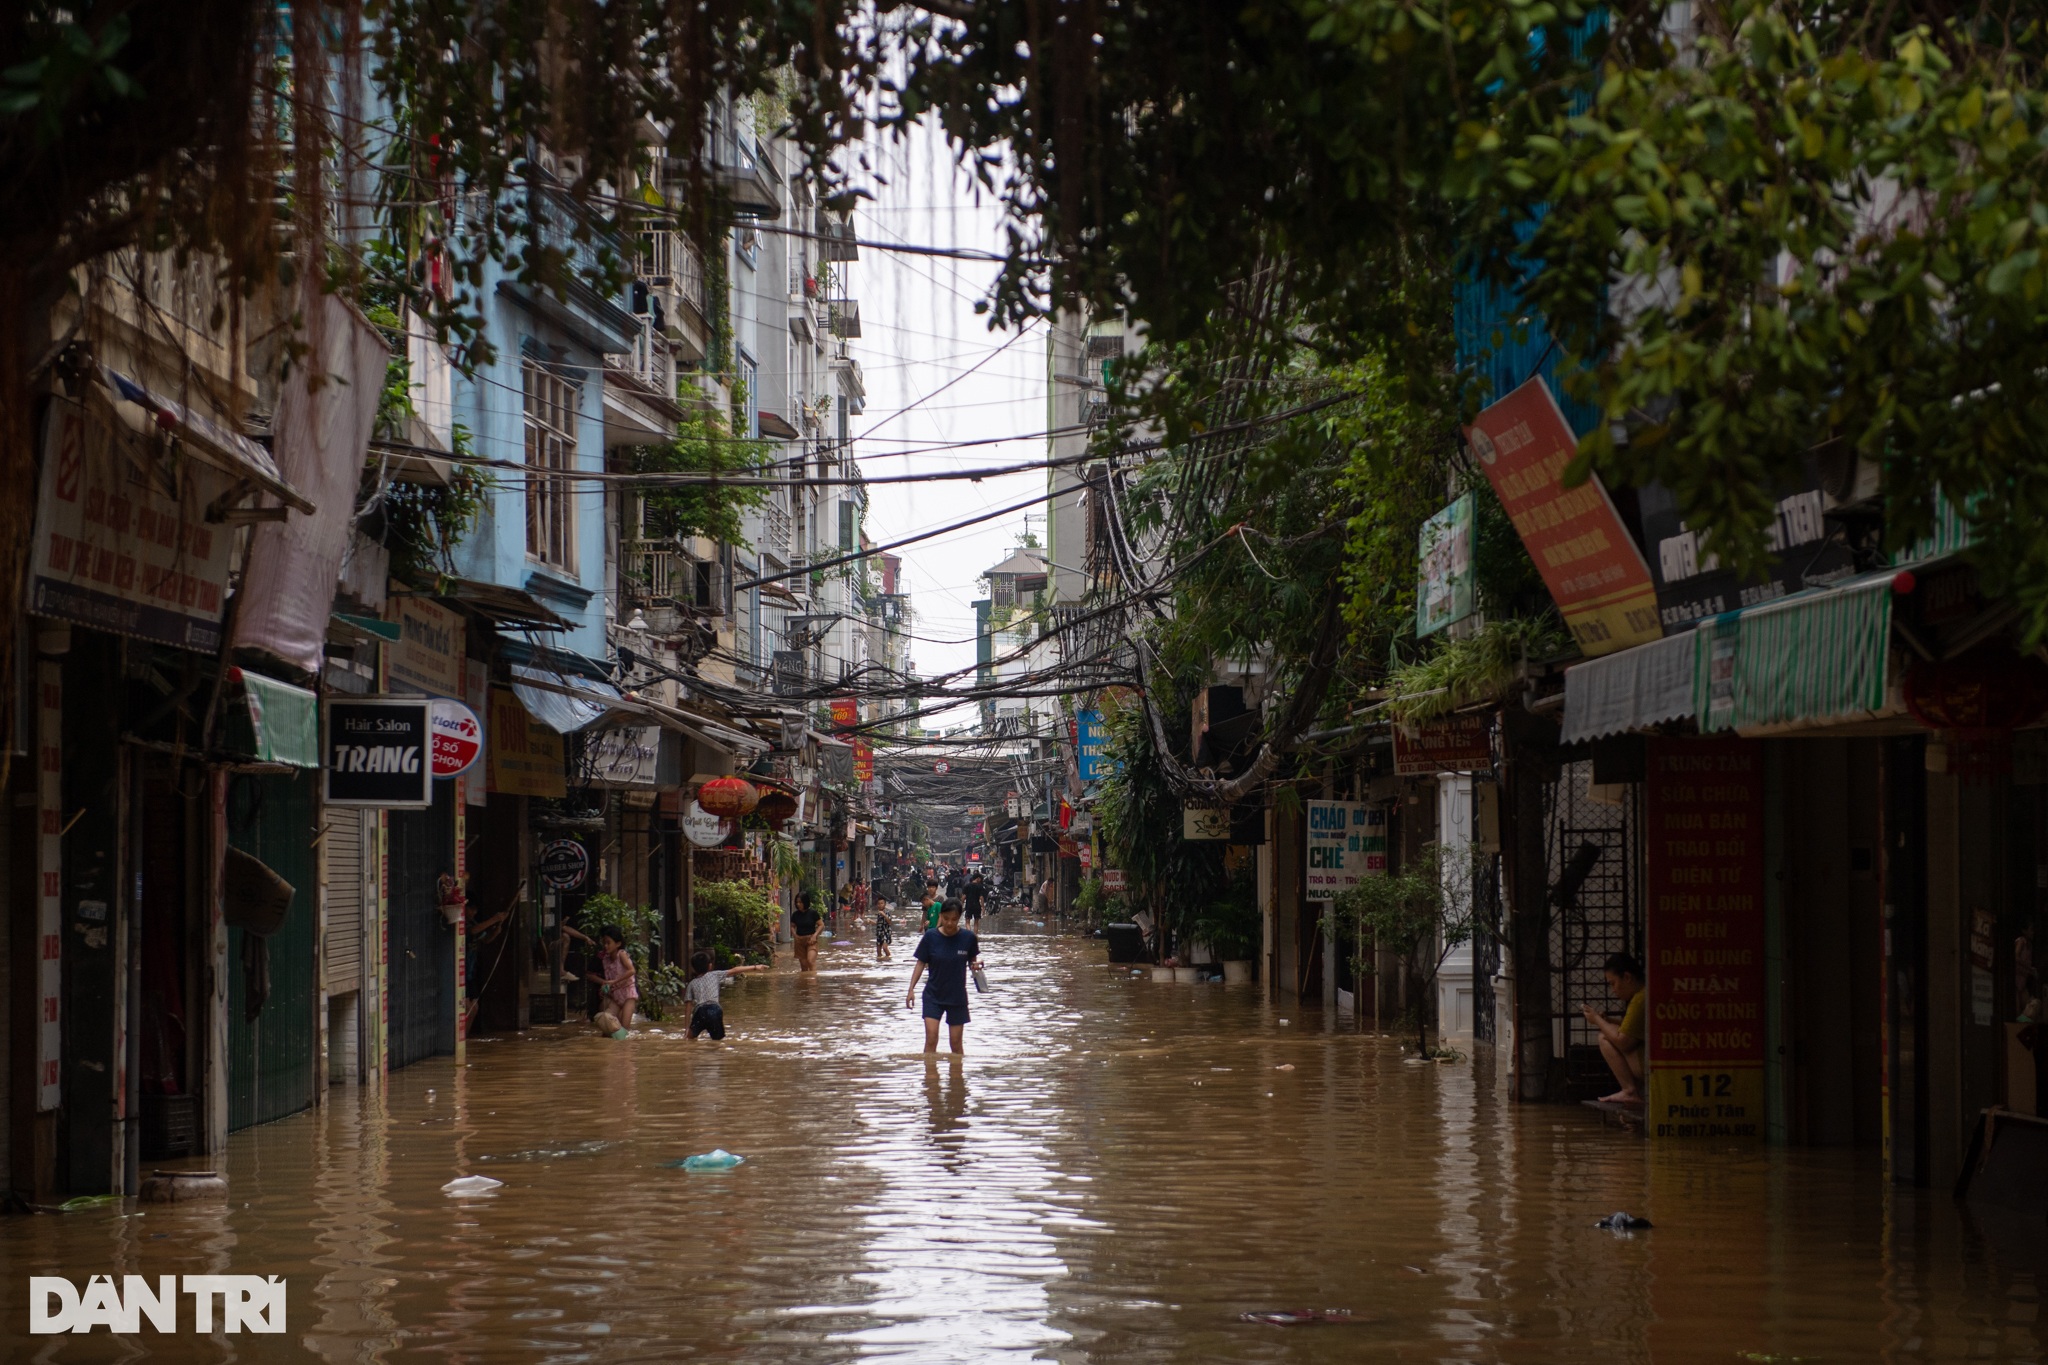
1705,939
1587,558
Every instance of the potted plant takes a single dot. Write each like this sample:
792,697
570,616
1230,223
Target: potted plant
1232,926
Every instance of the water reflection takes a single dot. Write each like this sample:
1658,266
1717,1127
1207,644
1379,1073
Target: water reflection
1117,1171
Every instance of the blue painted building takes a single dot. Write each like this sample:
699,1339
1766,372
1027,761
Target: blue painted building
540,402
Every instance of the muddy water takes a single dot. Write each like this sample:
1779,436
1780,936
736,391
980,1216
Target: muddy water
1119,1170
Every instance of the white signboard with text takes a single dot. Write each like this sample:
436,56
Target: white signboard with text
122,542
1347,842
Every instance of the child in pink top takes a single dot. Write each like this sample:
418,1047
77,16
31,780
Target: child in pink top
621,990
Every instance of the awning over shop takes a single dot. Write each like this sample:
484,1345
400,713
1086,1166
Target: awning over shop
1814,658
229,451
511,608
1632,690
559,704
284,721
1819,657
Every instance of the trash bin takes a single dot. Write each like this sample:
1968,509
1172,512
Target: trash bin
1126,942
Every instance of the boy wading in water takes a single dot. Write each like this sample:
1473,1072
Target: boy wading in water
701,995
949,952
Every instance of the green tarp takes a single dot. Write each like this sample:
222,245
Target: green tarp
284,721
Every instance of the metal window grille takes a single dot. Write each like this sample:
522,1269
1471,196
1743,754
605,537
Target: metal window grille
551,404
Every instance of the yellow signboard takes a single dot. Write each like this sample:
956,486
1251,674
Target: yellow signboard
1706,1102
523,757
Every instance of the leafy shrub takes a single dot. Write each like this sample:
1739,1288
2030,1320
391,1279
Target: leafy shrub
642,927
737,918
1231,924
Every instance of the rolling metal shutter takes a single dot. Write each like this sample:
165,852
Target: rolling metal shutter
346,872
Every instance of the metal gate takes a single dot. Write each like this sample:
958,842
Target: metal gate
1595,877
422,945
1486,927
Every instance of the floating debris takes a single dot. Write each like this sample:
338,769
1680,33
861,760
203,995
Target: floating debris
553,1153
1306,1317
471,1184
1623,1222
717,1159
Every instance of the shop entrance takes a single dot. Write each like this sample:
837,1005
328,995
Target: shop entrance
422,945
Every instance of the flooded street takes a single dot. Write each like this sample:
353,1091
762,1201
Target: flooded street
1117,1172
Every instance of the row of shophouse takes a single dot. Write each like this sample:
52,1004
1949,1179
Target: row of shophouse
1815,805
234,877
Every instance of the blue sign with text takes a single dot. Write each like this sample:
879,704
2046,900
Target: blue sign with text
1091,739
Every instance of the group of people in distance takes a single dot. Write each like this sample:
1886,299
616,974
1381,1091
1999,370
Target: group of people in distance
948,951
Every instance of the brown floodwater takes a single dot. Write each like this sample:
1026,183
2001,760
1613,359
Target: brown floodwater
1119,1170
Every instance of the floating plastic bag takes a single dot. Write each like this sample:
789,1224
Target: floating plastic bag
717,1159
1623,1222
471,1184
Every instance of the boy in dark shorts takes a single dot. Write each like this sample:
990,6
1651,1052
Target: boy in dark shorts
950,952
701,995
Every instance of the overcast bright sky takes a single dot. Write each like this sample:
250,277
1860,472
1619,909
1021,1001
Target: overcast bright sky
920,338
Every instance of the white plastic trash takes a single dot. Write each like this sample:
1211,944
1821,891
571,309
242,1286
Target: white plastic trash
717,1159
471,1184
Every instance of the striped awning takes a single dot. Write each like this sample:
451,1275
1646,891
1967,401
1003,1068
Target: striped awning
1815,658
1632,690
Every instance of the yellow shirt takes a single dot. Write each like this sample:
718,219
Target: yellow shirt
1632,1018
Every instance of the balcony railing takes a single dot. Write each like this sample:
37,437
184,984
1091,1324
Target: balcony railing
776,527
654,573
560,224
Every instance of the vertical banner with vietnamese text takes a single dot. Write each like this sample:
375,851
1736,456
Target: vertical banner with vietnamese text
1705,937
1588,560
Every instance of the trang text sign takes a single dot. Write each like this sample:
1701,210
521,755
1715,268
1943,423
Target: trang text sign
1588,561
1705,937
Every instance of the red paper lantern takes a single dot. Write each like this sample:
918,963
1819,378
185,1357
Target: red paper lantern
776,807
731,797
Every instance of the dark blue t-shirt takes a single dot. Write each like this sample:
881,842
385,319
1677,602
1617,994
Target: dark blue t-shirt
946,962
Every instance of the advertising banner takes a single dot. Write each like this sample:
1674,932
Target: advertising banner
523,757
629,756
1450,744
1704,939
1444,553
1347,842
1091,745
429,655
458,737
1593,569
1692,584
845,713
122,543
863,761
378,753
